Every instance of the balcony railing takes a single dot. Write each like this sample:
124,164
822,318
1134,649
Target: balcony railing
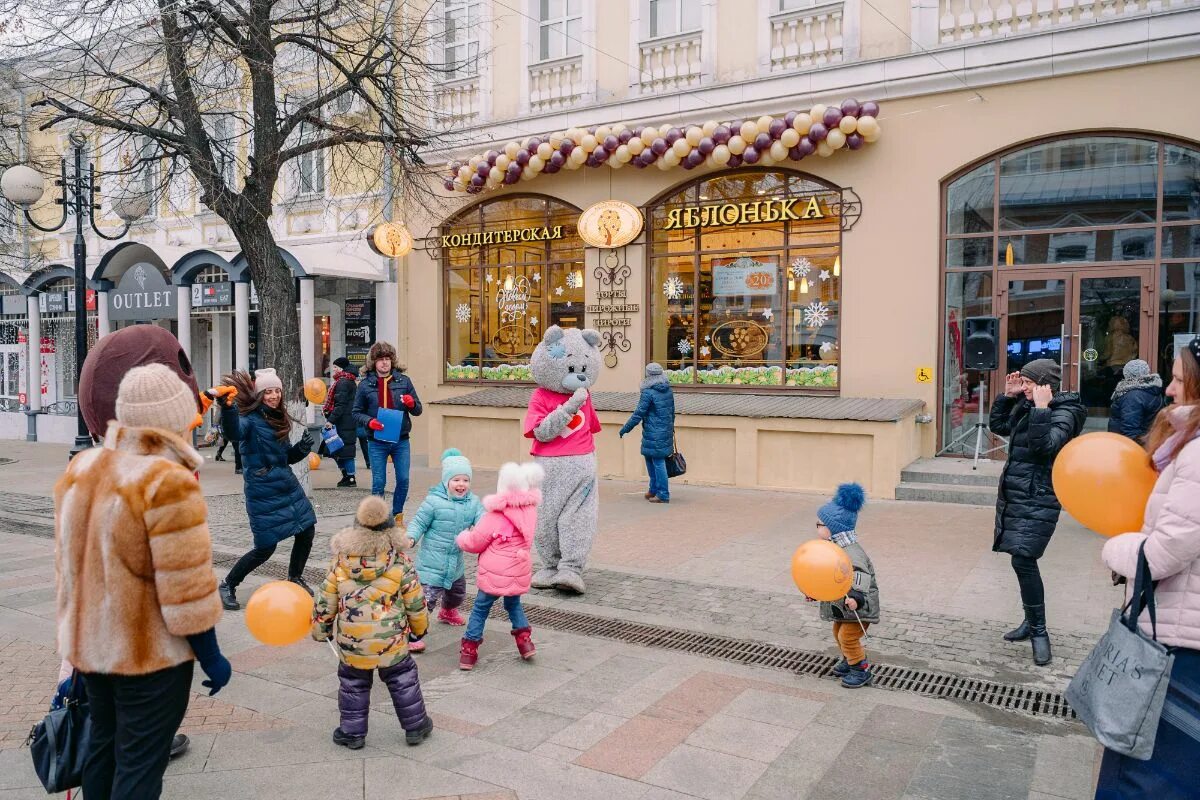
556,84
672,62
964,20
458,101
806,37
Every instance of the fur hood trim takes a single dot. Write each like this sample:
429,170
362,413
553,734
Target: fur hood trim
359,541
151,442
499,502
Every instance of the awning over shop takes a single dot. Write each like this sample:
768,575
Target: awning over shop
352,258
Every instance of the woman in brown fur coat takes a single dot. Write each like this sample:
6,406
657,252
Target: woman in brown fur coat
137,596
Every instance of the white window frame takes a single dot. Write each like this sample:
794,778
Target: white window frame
572,45
676,21
224,142
467,38
314,163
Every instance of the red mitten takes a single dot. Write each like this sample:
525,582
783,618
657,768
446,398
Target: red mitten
408,401
375,425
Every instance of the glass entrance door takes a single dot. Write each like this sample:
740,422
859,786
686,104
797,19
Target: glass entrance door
1091,322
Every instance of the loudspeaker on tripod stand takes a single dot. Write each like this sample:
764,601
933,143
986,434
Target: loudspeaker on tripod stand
981,347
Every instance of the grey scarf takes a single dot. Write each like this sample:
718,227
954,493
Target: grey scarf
1151,381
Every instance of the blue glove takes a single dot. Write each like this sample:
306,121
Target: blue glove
215,665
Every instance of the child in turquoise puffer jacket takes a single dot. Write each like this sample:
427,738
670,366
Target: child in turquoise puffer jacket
449,509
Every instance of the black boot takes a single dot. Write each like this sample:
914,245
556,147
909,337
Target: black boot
1038,637
1019,633
346,481
228,596
299,581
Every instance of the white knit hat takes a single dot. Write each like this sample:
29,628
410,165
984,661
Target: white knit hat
154,397
266,379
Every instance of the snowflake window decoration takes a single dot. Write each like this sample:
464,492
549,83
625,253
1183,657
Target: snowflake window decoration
558,290
537,277
704,350
572,280
824,276
684,347
801,267
767,313
488,277
816,314
462,313
568,304
533,321
827,348
673,288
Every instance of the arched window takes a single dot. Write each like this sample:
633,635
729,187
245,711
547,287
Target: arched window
745,281
1088,250
511,267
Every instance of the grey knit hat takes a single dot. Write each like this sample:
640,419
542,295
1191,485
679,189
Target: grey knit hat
154,397
653,369
1136,369
1043,372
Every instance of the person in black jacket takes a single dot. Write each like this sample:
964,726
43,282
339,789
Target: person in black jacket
1136,402
1039,421
384,385
339,415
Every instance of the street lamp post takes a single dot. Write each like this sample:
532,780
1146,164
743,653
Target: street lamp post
24,186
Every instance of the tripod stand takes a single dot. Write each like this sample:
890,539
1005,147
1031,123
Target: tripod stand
978,430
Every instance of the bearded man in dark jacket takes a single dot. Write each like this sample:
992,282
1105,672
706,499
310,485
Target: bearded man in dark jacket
1039,421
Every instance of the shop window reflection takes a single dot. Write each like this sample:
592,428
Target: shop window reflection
1179,312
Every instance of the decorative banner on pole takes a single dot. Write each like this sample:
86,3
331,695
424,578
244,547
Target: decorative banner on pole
610,223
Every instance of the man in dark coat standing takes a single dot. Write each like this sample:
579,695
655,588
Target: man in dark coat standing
1039,421
339,415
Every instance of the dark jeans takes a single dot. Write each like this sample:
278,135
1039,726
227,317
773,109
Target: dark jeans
354,696
1173,771
398,453
365,449
450,598
483,605
134,719
1029,577
237,452
346,465
259,555
656,468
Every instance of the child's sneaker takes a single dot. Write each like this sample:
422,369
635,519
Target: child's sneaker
416,645
415,737
450,616
468,654
524,640
841,669
346,740
858,676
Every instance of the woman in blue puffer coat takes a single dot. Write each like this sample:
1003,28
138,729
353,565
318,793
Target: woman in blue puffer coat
275,501
656,412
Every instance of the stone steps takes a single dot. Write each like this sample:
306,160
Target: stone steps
950,480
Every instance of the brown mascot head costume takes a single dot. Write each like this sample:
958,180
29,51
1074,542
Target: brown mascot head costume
116,354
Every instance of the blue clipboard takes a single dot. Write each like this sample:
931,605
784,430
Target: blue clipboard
393,421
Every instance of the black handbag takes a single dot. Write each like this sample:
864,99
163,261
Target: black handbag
676,463
59,743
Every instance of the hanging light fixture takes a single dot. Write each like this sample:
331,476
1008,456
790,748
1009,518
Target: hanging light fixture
837,266
508,283
804,285
578,279
1008,255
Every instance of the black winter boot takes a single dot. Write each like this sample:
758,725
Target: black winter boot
1038,636
229,599
347,480
1019,633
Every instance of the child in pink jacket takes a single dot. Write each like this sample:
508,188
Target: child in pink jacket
503,539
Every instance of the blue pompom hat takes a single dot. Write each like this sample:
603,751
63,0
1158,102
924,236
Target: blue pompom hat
454,463
841,513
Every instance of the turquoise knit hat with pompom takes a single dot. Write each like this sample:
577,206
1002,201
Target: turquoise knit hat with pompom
454,463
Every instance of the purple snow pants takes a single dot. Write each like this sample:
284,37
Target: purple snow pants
354,695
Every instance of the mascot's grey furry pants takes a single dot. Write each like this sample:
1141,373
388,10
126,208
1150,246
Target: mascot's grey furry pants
567,516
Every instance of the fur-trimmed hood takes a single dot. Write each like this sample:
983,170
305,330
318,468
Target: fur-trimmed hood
151,442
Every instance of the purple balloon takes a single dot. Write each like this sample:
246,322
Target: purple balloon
706,146
624,136
566,147
817,132
762,142
687,165
695,158
483,169
534,144
795,154
510,179
855,141
734,161
455,166
514,169
721,134
611,143
522,157
869,109
778,126
638,163
750,156
806,147
448,185
474,189
591,161
648,157
850,108
592,130
790,118
832,117
477,181
550,169
735,127
674,135
600,155
491,156
659,146
557,159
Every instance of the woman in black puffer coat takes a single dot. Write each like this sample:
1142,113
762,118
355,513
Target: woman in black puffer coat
1039,422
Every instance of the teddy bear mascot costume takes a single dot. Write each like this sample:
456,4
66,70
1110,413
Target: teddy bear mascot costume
562,424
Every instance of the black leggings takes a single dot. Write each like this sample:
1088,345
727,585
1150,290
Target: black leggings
1029,577
301,547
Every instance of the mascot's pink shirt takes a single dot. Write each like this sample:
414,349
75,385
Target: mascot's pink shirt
575,440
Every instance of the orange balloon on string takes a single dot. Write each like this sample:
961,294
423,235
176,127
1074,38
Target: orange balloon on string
314,461
315,391
822,570
279,613
1104,480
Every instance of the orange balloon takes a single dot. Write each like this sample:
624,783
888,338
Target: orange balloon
279,613
822,570
1104,480
314,461
315,390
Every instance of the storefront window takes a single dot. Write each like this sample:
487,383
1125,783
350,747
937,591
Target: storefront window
1179,317
511,268
746,282
57,301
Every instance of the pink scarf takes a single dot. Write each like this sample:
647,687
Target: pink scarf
1170,448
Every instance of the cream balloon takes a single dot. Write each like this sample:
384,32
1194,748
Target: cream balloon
474,162
708,127
649,135
664,129
681,147
874,137
465,172
544,150
711,162
574,134
536,163
663,163
869,128
495,174
803,124
694,135
602,133
502,161
836,139
619,128
779,151
460,184
764,123
615,163
824,150
636,146
848,125
789,138
749,130
818,113
737,145
511,149
556,141
528,174
672,158
577,157
721,155
589,143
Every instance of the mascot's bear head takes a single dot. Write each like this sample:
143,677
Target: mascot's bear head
117,353
567,359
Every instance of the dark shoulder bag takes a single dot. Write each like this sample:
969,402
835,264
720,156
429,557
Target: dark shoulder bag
59,743
676,463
